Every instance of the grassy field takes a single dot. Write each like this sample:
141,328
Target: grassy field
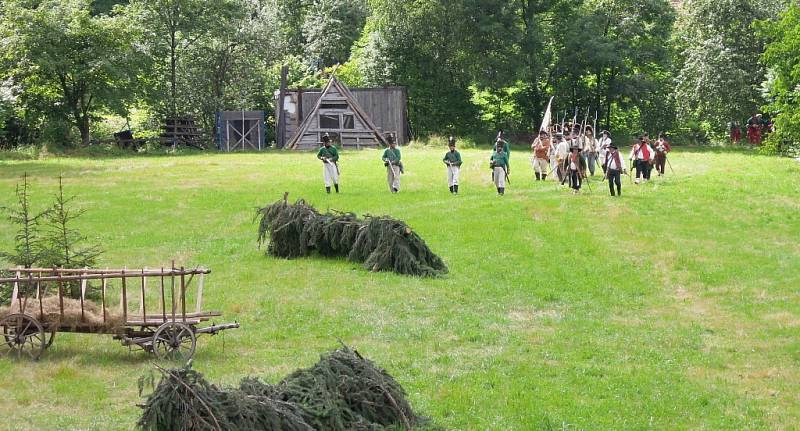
674,307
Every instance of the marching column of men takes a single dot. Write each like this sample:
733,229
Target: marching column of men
569,158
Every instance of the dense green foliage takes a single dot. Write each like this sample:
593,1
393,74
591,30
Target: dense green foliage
468,65
783,59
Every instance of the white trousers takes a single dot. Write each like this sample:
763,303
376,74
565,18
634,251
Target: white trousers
330,174
540,166
393,176
452,175
499,176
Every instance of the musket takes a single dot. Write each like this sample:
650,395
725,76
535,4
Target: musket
670,164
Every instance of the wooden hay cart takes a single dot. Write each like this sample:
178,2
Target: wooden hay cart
160,324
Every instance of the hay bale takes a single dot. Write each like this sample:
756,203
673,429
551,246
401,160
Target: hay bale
50,314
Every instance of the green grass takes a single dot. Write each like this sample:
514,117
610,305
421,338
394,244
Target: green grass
675,307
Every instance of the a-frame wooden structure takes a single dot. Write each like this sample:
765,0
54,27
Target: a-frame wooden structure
338,114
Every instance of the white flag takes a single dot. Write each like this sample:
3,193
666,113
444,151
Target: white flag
547,116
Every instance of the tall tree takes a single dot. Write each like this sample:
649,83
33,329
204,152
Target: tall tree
720,76
623,65
171,28
226,69
782,57
64,57
330,29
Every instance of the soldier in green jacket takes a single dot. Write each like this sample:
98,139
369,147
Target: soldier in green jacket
452,159
499,164
330,166
502,139
394,167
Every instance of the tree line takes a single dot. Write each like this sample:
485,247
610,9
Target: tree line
690,68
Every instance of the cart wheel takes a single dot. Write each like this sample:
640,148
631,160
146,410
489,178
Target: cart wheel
174,340
24,336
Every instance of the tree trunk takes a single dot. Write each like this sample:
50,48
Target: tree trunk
83,127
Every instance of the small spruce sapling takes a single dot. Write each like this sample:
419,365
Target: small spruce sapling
63,245
27,250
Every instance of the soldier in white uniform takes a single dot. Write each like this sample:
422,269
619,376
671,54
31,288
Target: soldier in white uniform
330,163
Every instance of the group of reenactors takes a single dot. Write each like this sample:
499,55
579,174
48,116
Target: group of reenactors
758,127
572,157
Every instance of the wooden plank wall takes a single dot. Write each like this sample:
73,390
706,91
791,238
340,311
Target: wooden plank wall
385,106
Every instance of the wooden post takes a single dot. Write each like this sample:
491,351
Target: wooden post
103,297
280,111
172,288
124,298
183,295
83,290
15,290
199,303
163,301
142,306
39,294
300,116
60,296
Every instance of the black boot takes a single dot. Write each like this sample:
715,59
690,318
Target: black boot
544,177
538,176
394,190
455,189
502,191
328,189
336,186
498,191
451,189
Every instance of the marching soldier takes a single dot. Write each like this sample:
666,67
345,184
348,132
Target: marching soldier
541,155
590,148
453,161
641,157
330,166
506,147
561,153
499,165
602,147
575,166
394,166
662,149
614,166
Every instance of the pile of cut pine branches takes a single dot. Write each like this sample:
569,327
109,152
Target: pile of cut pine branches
343,391
380,243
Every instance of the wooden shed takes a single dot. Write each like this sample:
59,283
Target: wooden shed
357,118
240,130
